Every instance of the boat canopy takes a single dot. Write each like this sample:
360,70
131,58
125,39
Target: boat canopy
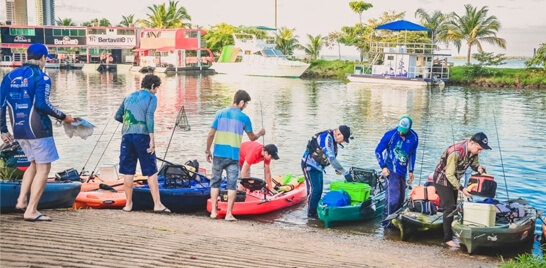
273,53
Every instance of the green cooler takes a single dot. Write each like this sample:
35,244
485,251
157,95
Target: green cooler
358,191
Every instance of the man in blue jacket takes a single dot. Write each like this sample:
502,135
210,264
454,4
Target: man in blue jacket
396,153
321,152
25,92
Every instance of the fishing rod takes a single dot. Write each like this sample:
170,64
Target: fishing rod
423,156
500,153
100,158
181,116
100,136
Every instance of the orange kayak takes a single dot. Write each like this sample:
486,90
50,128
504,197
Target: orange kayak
255,203
92,196
100,199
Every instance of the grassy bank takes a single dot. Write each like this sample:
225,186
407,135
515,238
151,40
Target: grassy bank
329,69
460,75
498,77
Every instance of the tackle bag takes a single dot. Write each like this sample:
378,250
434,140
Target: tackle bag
364,175
423,206
70,174
482,185
337,198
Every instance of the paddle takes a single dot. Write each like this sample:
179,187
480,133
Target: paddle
103,186
396,213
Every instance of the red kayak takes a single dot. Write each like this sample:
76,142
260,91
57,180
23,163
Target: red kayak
254,202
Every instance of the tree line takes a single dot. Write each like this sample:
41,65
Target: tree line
473,28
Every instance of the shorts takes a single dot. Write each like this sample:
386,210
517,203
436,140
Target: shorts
232,172
134,147
41,151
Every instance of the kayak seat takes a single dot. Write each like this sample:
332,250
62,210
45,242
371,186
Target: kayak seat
176,176
254,184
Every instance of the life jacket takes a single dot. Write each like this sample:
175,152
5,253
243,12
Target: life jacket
463,163
315,149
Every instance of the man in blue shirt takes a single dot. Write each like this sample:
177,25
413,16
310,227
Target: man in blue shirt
321,152
25,92
396,153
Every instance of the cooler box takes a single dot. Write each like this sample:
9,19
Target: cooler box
479,214
358,191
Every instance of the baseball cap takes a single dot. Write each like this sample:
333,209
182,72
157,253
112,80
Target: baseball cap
481,139
38,49
404,125
272,150
346,132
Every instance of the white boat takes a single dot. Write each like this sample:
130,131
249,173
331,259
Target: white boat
403,63
255,56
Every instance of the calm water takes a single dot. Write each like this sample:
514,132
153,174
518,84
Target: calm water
291,110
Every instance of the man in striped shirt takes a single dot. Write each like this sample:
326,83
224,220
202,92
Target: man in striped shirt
227,133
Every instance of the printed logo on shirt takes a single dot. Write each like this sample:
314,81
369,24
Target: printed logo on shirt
46,77
21,106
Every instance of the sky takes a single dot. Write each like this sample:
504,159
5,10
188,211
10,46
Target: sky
523,21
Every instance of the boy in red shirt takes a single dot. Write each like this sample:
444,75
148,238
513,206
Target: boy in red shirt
251,153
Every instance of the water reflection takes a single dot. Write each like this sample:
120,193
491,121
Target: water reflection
291,110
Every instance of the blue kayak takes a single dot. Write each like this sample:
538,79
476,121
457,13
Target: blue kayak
56,194
188,197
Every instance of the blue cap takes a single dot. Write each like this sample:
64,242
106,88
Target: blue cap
38,49
404,125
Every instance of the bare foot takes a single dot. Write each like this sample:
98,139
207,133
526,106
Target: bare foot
452,244
127,208
21,204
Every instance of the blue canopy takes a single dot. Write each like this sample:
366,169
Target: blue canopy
401,25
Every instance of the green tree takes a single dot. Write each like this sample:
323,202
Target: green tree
312,49
435,21
334,39
539,58
170,17
286,41
218,36
127,21
64,22
96,22
359,7
474,27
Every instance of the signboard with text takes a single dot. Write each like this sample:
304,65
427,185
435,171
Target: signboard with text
22,38
111,40
66,41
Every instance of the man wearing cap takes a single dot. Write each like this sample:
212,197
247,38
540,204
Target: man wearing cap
321,152
25,92
454,162
396,153
253,153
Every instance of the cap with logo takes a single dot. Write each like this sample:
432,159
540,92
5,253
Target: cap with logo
346,132
272,150
38,49
404,125
481,139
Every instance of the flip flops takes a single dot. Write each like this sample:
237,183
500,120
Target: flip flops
40,217
164,210
230,218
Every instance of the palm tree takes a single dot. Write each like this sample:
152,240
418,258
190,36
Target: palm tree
286,40
64,22
127,21
474,27
435,22
359,7
96,22
314,46
170,17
